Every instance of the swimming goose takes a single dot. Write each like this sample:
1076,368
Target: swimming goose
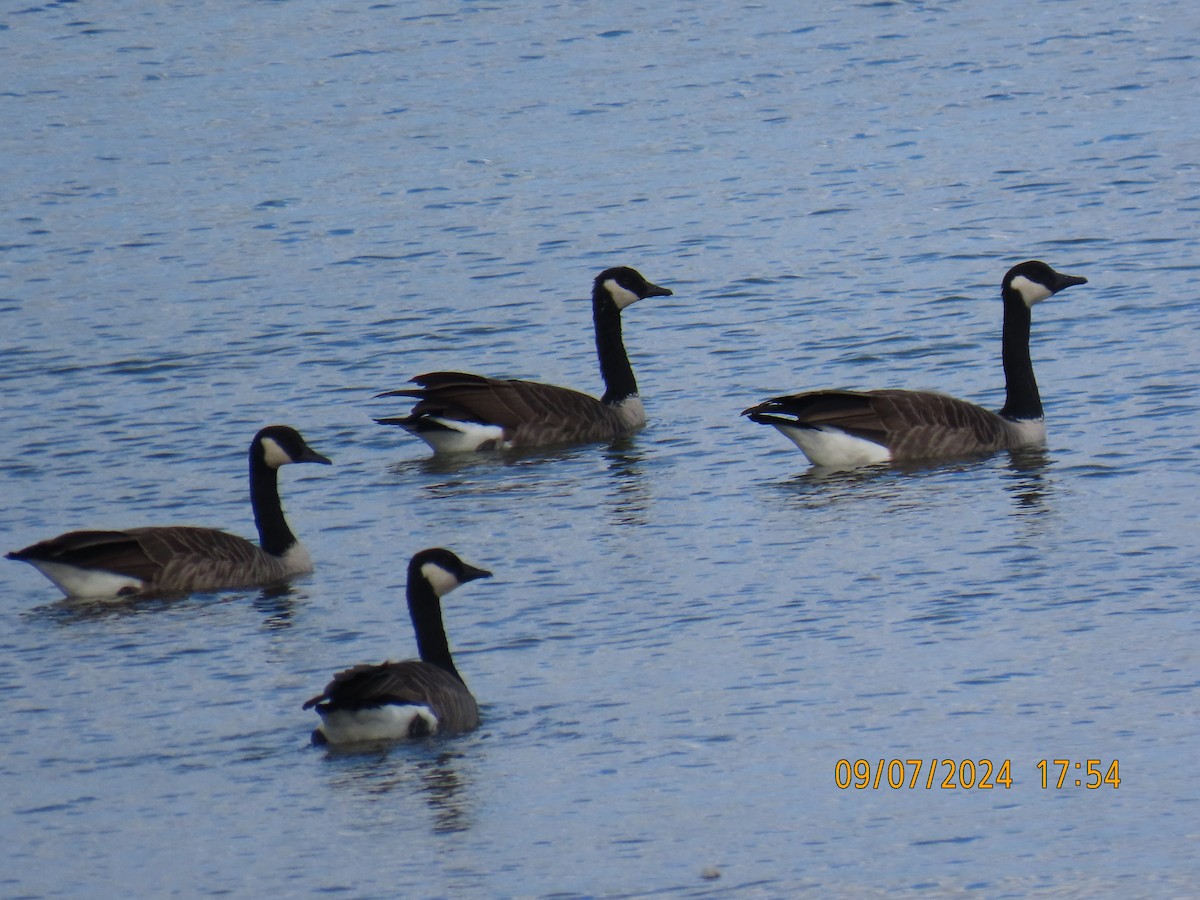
413,698
181,559
854,428
457,412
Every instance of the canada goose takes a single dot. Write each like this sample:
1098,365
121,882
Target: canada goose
457,412
415,697
854,428
181,559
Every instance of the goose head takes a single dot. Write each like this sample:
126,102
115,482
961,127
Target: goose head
1033,281
278,445
442,570
623,286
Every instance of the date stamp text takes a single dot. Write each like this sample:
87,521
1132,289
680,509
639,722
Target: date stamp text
972,774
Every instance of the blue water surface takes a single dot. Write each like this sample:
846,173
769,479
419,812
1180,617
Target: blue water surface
222,215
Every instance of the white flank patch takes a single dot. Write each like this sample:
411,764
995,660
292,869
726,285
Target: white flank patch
91,584
439,579
463,437
296,560
1031,291
631,411
623,297
386,723
834,448
274,455
1028,431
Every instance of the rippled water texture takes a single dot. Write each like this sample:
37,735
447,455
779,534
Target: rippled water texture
217,216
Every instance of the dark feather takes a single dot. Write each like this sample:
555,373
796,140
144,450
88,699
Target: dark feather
171,559
411,682
912,424
529,412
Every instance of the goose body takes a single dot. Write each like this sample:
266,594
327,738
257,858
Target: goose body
181,559
412,698
855,428
459,412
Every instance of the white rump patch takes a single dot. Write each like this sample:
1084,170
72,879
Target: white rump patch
90,584
623,297
385,723
833,447
463,437
440,580
1031,291
274,455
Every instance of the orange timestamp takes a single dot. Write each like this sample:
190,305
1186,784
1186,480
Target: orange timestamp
970,774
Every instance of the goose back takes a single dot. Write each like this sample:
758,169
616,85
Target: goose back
375,702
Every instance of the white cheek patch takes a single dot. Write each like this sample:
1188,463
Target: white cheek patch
274,455
441,580
1031,291
622,296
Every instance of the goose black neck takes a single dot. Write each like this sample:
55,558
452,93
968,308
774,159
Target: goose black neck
619,383
1022,398
425,610
274,536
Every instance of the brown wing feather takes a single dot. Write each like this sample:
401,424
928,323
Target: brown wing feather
197,559
530,412
849,411
911,424
169,559
924,425
410,681
114,551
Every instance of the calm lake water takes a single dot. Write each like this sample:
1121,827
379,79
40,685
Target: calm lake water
218,216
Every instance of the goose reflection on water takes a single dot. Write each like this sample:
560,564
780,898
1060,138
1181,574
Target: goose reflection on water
386,771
